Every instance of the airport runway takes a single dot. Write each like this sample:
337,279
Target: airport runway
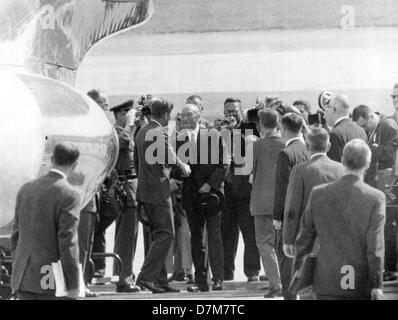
291,63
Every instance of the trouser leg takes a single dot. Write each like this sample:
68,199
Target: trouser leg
196,222
108,213
185,243
251,256
86,230
285,268
265,238
390,234
230,234
161,222
125,235
215,245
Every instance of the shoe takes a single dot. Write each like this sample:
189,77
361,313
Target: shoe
168,288
127,288
90,294
190,279
252,279
150,286
263,277
99,273
273,293
217,286
199,288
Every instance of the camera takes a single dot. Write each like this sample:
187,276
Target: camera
225,123
317,118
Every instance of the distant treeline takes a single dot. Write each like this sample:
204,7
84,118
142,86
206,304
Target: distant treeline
233,15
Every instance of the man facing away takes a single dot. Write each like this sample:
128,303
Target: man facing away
153,159
46,229
383,141
347,216
294,153
343,128
320,169
265,154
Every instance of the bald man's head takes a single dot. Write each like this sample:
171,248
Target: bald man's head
340,102
337,108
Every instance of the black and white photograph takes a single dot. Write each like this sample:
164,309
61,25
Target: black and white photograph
198,154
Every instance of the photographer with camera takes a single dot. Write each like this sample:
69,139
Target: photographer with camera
236,215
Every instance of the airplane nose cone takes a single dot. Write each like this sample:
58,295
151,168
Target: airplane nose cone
21,142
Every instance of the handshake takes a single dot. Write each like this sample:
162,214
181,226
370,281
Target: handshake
186,170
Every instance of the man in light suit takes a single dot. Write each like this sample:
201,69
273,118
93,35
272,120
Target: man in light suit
46,229
347,216
153,159
320,169
265,155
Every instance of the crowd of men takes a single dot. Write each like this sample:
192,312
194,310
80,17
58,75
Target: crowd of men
292,186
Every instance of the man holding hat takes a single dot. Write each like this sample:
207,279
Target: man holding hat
203,196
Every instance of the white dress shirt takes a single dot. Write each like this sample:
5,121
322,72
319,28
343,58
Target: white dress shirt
339,120
59,172
318,154
288,142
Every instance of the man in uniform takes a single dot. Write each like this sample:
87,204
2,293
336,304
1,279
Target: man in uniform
126,223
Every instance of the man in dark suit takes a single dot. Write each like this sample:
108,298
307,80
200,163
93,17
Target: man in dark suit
153,157
383,140
294,154
46,229
343,129
202,195
236,215
347,216
320,169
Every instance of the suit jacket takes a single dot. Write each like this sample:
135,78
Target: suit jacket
387,140
348,218
304,177
154,157
239,185
45,231
204,169
265,155
295,153
343,132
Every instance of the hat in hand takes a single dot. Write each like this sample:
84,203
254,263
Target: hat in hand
209,201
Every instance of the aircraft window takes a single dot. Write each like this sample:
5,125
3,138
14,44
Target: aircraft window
54,98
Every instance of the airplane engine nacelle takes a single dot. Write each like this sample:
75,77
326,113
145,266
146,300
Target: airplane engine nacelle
36,114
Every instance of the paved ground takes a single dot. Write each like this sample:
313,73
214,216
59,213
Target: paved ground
233,290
